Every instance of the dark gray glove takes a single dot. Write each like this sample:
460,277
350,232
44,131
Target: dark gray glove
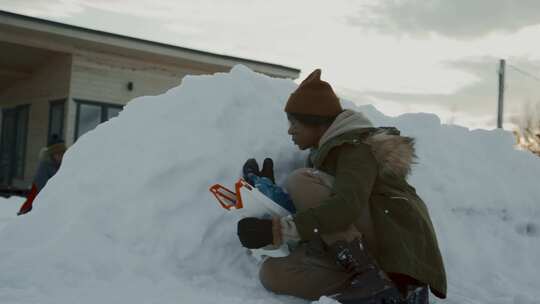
255,233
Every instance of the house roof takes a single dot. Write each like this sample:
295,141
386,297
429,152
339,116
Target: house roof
127,42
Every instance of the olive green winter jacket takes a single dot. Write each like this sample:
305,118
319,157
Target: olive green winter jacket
371,191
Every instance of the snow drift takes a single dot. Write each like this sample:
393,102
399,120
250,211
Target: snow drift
129,219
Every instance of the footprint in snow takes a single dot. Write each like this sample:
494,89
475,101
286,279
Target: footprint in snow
528,229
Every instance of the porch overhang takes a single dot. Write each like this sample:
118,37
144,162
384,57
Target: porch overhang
66,38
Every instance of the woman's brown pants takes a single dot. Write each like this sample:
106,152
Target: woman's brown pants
309,272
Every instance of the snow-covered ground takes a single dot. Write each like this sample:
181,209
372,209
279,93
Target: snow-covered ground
9,208
129,219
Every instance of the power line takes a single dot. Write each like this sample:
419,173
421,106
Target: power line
524,72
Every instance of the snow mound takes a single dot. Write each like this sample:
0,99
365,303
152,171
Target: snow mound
9,208
129,218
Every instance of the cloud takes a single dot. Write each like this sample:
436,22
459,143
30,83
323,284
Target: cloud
244,28
43,8
460,19
474,105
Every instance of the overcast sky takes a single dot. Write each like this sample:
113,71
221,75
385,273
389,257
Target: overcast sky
411,55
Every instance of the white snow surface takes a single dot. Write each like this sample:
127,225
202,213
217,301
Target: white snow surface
9,208
129,219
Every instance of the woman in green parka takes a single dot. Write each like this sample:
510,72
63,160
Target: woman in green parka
363,233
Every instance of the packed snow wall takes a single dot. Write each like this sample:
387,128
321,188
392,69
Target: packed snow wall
129,218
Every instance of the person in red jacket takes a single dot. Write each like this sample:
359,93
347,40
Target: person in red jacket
50,160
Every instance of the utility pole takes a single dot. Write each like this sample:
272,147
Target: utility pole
502,65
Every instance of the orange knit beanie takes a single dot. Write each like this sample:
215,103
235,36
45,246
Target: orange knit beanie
314,97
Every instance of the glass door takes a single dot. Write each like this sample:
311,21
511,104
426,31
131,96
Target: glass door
13,144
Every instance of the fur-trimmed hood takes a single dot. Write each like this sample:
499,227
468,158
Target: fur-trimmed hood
345,122
395,154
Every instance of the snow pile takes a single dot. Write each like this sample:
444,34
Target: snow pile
9,208
129,218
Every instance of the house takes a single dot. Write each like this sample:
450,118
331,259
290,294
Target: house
59,80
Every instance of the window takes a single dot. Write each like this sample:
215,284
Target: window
89,118
113,112
13,143
20,141
56,121
90,114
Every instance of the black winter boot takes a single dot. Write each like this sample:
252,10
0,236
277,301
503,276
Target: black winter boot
268,169
370,285
417,295
251,167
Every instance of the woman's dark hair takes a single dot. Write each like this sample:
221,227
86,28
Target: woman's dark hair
312,120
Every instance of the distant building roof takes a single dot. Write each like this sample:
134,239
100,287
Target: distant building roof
125,42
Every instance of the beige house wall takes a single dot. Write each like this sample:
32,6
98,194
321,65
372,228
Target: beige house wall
47,83
104,78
